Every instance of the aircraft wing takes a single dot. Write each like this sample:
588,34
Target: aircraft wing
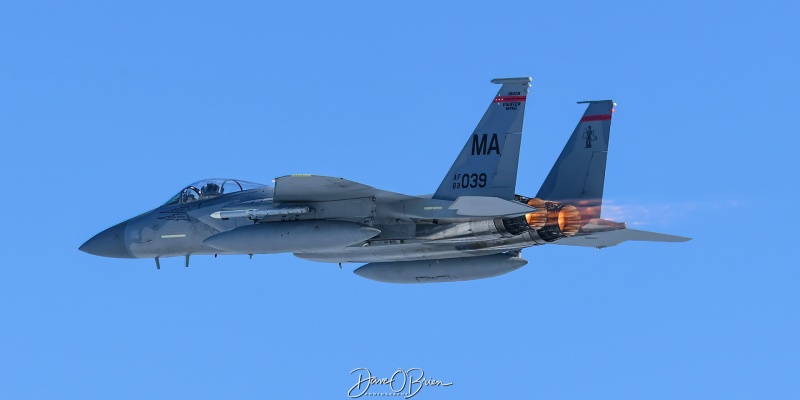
301,187
613,238
479,206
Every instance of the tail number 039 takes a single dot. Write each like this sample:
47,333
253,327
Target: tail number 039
464,181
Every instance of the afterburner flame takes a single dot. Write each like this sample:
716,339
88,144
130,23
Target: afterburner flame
569,220
565,217
538,218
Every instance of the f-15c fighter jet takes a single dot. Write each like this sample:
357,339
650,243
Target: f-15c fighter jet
474,226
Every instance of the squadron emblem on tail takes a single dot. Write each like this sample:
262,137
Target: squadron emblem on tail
589,137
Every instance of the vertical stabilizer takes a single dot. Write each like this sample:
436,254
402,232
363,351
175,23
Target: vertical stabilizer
579,172
487,165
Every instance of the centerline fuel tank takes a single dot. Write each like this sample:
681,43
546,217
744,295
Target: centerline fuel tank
445,270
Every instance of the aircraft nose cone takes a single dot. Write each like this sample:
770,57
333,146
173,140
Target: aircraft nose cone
108,243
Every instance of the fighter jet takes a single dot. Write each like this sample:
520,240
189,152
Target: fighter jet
473,226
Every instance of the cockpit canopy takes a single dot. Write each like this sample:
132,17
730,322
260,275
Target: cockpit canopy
210,188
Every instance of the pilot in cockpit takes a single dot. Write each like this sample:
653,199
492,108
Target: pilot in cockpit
188,196
211,189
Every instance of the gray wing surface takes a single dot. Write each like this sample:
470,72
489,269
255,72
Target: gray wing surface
300,187
478,206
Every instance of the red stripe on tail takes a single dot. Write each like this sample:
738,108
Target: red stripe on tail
508,99
602,117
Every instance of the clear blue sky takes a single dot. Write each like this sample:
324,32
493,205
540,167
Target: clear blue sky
107,109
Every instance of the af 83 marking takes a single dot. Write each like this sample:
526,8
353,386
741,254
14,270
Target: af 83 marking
469,180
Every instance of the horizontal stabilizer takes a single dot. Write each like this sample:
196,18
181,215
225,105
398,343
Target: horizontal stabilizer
613,238
479,206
